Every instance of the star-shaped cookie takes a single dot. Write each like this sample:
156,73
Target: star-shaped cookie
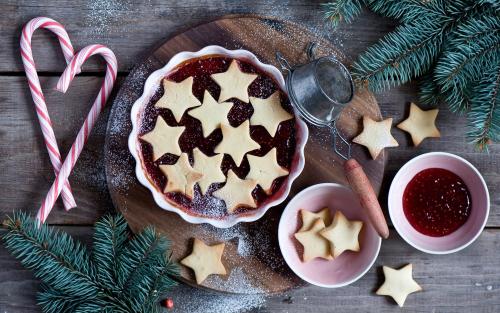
376,136
210,167
211,114
342,234
181,177
398,284
236,192
309,217
164,139
234,83
236,141
264,170
178,97
205,260
420,124
269,113
315,246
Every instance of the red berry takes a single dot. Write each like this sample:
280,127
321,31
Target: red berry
168,303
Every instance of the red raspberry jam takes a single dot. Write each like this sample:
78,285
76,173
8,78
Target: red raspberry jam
436,202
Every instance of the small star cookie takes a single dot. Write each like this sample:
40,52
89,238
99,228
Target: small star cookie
376,136
315,246
205,260
269,113
178,97
420,124
211,114
164,139
236,141
264,170
181,177
233,83
398,284
210,167
342,234
309,217
236,192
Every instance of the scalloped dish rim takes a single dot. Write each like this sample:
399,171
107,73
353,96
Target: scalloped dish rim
151,85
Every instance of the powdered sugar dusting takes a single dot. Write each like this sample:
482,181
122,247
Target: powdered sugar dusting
102,14
120,164
201,301
252,239
238,232
237,281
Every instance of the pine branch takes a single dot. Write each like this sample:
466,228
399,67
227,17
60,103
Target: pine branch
55,257
451,43
142,249
476,26
110,235
463,64
87,307
337,11
406,53
428,90
122,276
494,3
142,260
410,11
160,284
53,301
484,117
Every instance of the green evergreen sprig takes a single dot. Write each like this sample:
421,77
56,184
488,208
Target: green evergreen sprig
340,10
123,274
452,45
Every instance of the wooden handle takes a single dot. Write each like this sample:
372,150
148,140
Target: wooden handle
363,189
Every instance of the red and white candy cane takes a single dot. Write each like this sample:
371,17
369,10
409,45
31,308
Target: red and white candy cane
37,93
62,85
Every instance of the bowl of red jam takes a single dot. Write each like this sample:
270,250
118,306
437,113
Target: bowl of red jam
439,203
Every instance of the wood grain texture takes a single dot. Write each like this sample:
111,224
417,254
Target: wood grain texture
153,21
262,265
452,283
458,283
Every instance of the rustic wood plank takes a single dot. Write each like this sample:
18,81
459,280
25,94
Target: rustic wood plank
451,283
133,29
27,172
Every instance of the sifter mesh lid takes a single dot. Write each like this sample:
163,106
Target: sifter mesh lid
334,80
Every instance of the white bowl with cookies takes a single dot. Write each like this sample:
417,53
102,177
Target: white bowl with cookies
215,138
326,238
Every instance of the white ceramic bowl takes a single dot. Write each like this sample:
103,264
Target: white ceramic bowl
150,87
464,235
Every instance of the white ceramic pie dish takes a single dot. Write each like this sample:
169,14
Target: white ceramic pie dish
153,83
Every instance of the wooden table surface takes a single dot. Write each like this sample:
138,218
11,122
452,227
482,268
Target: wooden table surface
467,281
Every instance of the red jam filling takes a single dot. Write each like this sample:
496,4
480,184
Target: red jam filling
262,87
436,202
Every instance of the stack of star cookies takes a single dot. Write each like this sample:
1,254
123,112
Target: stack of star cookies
322,237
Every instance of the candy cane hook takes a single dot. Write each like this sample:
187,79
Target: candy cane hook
37,93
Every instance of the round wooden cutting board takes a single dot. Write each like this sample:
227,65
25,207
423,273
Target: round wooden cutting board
252,256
